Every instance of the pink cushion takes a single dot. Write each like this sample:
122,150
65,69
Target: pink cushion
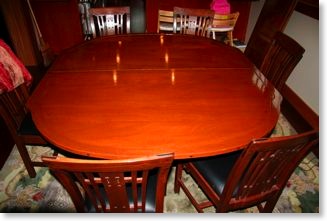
12,71
220,6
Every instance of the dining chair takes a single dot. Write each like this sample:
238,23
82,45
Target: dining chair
255,176
127,185
224,24
192,21
15,85
20,125
165,21
109,21
282,57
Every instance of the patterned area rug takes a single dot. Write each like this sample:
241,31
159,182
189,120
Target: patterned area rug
19,193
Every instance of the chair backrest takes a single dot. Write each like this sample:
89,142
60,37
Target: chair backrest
263,169
225,21
281,59
109,21
165,20
192,21
113,185
12,107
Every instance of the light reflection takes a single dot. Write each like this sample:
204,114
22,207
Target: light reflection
259,80
114,77
166,57
161,39
172,76
120,43
117,58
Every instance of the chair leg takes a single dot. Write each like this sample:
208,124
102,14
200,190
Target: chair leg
230,38
26,159
179,184
214,35
178,176
270,204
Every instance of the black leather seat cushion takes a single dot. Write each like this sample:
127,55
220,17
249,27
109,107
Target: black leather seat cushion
150,206
216,169
28,127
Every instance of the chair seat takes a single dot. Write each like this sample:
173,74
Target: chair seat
254,176
28,127
221,28
216,170
166,26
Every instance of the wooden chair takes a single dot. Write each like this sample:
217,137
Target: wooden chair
21,127
165,21
131,185
224,24
281,59
247,178
192,21
109,21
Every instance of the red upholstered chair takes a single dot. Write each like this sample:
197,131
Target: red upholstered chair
255,176
14,79
281,59
130,185
20,124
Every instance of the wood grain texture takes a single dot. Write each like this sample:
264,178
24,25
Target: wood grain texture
188,95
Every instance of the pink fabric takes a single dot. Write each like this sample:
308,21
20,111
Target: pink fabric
220,6
12,71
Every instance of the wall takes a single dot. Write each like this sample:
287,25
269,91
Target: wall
304,80
255,10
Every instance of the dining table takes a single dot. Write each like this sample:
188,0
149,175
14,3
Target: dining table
136,95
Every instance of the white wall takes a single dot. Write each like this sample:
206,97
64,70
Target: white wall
305,30
255,10
305,78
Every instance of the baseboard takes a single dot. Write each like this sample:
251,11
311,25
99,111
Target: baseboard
299,114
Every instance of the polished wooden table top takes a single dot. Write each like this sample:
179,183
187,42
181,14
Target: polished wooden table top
140,95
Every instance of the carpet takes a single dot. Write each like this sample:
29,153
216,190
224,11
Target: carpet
20,193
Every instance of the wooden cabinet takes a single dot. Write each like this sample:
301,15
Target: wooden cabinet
59,22
21,37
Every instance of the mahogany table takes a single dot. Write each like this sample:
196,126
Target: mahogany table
138,95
